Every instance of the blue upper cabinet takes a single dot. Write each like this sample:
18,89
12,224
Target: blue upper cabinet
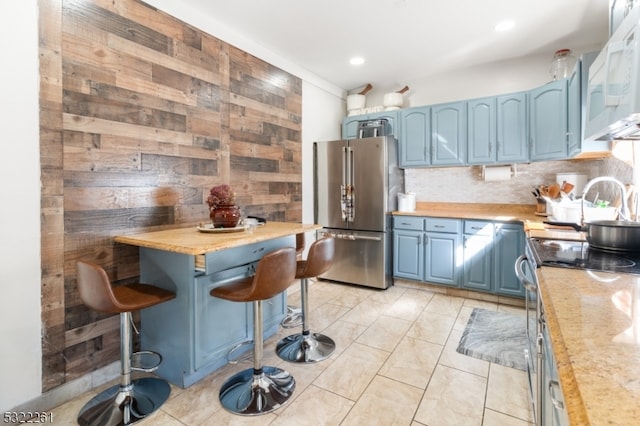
574,112
548,121
415,142
481,142
350,124
512,132
449,134
497,129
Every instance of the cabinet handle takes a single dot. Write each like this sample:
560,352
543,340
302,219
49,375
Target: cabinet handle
419,239
558,404
539,343
426,240
438,226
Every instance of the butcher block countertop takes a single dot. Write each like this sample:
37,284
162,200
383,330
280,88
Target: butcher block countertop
500,212
593,320
190,240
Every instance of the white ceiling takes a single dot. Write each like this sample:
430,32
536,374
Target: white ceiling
405,41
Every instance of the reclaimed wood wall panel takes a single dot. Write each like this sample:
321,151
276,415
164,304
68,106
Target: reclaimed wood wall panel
140,115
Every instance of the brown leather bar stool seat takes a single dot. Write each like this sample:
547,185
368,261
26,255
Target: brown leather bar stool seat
307,347
132,400
261,389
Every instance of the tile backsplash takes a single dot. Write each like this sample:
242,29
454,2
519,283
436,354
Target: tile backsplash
465,184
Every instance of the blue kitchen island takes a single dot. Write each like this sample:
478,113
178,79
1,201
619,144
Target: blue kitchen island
195,331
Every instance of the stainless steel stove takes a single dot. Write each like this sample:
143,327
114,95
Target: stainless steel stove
578,255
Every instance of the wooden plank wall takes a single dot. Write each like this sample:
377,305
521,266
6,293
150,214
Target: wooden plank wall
140,115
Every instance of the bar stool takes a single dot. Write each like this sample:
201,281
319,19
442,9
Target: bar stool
132,400
293,318
307,347
261,389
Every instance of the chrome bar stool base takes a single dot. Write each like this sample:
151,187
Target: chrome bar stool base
305,348
128,405
252,392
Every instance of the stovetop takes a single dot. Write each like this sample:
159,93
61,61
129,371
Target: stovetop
578,255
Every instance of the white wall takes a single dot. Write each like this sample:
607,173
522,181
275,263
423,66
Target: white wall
509,76
322,113
20,352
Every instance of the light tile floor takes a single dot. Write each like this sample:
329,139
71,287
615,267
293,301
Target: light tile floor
395,364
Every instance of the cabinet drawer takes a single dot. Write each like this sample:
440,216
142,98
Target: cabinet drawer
478,227
224,259
408,222
450,226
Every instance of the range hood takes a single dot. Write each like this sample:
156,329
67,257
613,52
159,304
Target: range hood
613,91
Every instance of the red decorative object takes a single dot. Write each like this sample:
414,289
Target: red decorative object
225,216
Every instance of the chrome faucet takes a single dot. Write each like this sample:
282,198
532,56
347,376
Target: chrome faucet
624,210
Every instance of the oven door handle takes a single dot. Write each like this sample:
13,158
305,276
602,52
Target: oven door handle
519,265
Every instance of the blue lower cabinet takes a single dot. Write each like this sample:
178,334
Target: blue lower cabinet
477,249
473,254
440,258
508,244
407,253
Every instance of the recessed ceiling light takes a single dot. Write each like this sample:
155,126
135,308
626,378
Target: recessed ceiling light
504,25
356,60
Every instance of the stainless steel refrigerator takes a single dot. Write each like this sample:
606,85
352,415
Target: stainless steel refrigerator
356,183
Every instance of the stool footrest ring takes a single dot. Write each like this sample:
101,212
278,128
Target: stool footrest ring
147,361
244,356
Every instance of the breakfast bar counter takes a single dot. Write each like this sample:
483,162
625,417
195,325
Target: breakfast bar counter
195,332
190,240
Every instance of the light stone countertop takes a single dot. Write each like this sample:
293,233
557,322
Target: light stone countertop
188,240
593,320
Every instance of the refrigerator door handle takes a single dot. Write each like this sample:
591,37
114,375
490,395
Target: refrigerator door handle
343,186
350,190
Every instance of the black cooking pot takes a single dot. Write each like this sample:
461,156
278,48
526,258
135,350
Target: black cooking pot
617,235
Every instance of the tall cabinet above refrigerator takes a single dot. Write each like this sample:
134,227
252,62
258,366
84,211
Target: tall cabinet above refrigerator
356,183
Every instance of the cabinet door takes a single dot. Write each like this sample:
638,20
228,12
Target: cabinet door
508,245
574,113
477,251
440,260
512,128
392,121
350,126
407,254
481,143
415,139
548,121
212,342
449,134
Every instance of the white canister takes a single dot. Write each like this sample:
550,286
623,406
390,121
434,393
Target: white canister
579,180
356,102
407,202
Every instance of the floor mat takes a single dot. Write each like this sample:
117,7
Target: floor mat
497,337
